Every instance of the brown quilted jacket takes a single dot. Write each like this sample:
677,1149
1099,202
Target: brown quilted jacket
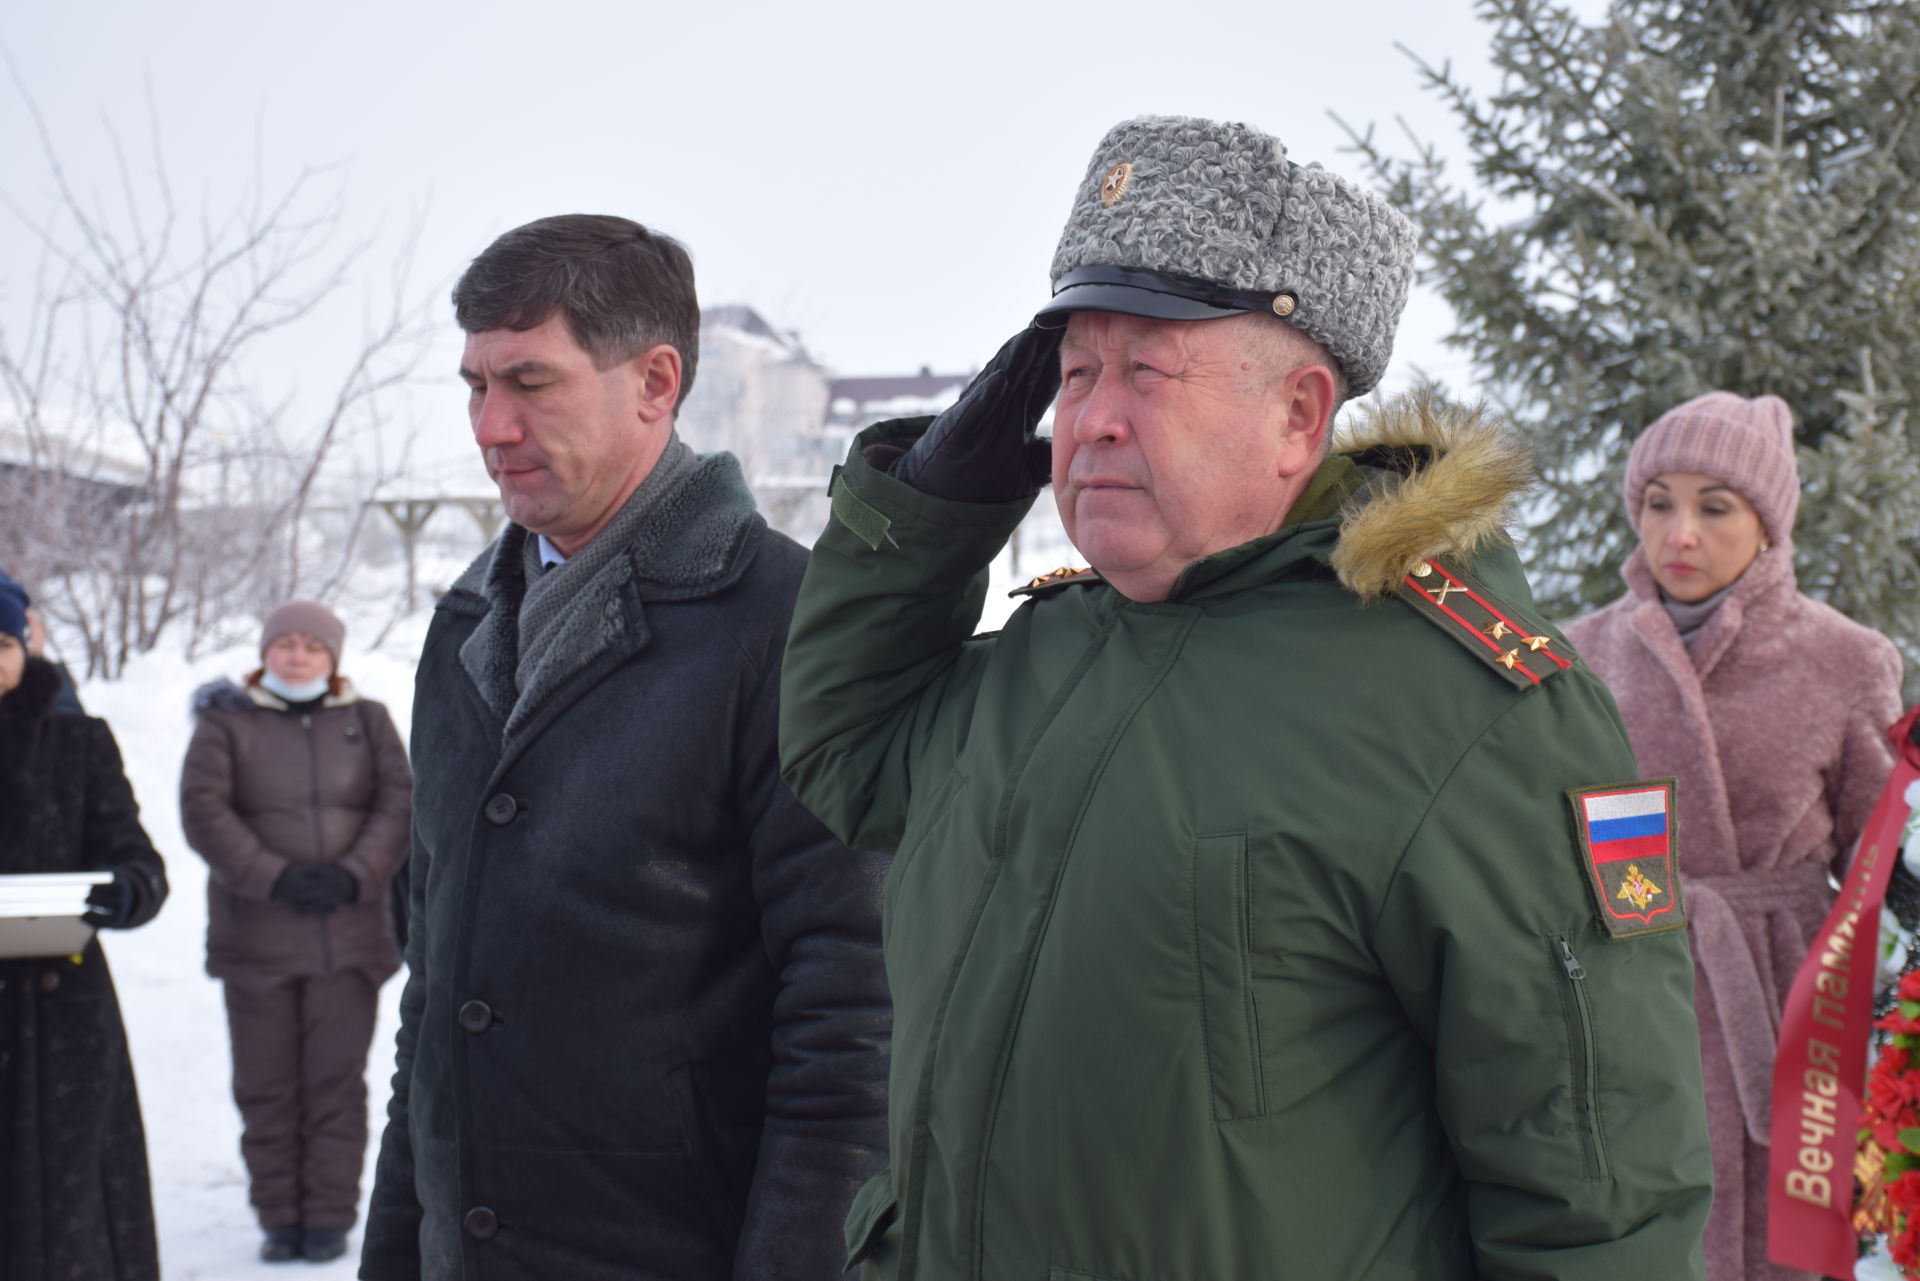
264,786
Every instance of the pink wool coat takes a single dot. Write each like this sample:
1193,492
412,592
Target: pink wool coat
1774,721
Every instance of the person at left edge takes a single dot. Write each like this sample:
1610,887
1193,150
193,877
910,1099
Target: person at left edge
66,698
644,1030
75,1202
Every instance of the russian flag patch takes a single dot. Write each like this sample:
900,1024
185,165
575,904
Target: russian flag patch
1626,833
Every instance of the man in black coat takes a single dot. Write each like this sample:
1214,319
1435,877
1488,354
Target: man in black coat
644,1031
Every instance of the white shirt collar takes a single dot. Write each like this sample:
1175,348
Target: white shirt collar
549,554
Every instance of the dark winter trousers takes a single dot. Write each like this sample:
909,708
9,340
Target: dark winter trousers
299,1075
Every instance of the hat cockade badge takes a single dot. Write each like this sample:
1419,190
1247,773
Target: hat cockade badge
1114,185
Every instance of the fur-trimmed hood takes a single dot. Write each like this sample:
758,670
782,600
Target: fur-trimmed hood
22,708
226,696
1441,480
34,696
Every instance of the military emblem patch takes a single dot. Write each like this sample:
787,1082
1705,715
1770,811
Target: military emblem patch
1626,834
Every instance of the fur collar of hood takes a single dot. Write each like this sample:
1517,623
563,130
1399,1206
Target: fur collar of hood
32,699
1442,480
225,696
23,709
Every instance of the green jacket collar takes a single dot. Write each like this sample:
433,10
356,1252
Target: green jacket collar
1309,533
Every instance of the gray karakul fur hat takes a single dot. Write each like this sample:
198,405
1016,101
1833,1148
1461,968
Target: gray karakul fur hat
1189,219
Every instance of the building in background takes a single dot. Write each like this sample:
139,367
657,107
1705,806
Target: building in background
62,489
758,393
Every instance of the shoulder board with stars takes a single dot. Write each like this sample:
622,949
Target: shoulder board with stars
1485,625
1064,576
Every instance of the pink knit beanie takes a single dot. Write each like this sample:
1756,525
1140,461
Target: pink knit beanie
1746,443
309,618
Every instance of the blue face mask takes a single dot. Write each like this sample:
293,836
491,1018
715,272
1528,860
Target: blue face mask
293,693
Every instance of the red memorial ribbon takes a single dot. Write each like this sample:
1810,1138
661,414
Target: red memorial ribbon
1820,1072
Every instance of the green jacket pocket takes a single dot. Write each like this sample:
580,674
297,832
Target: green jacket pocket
1223,955
872,1213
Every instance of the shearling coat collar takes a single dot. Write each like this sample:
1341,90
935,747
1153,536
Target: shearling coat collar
694,541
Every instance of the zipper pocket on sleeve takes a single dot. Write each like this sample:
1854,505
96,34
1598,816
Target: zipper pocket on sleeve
1581,1049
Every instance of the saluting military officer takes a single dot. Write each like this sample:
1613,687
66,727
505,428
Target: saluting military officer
1277,898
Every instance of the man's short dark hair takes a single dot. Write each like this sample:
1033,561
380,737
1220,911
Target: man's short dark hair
620,287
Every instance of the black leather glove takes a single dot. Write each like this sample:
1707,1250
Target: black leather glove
314,889
982,449
130,899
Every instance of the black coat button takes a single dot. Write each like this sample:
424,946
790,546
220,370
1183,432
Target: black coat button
501,810
481,1223
476,1016
49,980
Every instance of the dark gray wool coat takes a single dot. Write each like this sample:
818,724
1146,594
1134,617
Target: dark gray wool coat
74,1200
645,1026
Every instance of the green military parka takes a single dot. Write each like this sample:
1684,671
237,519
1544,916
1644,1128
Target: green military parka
1244,935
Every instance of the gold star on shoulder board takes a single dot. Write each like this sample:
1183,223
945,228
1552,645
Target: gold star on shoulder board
1065,571
1065,576
1447,595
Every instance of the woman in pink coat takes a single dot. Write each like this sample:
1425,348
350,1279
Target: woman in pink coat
1771,709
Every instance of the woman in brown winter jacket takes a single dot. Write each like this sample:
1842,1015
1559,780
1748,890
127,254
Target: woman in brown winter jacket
75,1203
1771,709
297,793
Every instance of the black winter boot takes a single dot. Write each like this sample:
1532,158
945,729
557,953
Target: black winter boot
322,1244
282,1244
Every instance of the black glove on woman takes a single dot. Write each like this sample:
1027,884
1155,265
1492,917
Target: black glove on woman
314,889
130,900
982,449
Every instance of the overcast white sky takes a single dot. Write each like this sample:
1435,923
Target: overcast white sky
885,178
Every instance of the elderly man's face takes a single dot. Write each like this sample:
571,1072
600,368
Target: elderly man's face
1170,442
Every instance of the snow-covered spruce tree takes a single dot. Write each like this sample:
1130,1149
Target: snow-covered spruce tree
1690,195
